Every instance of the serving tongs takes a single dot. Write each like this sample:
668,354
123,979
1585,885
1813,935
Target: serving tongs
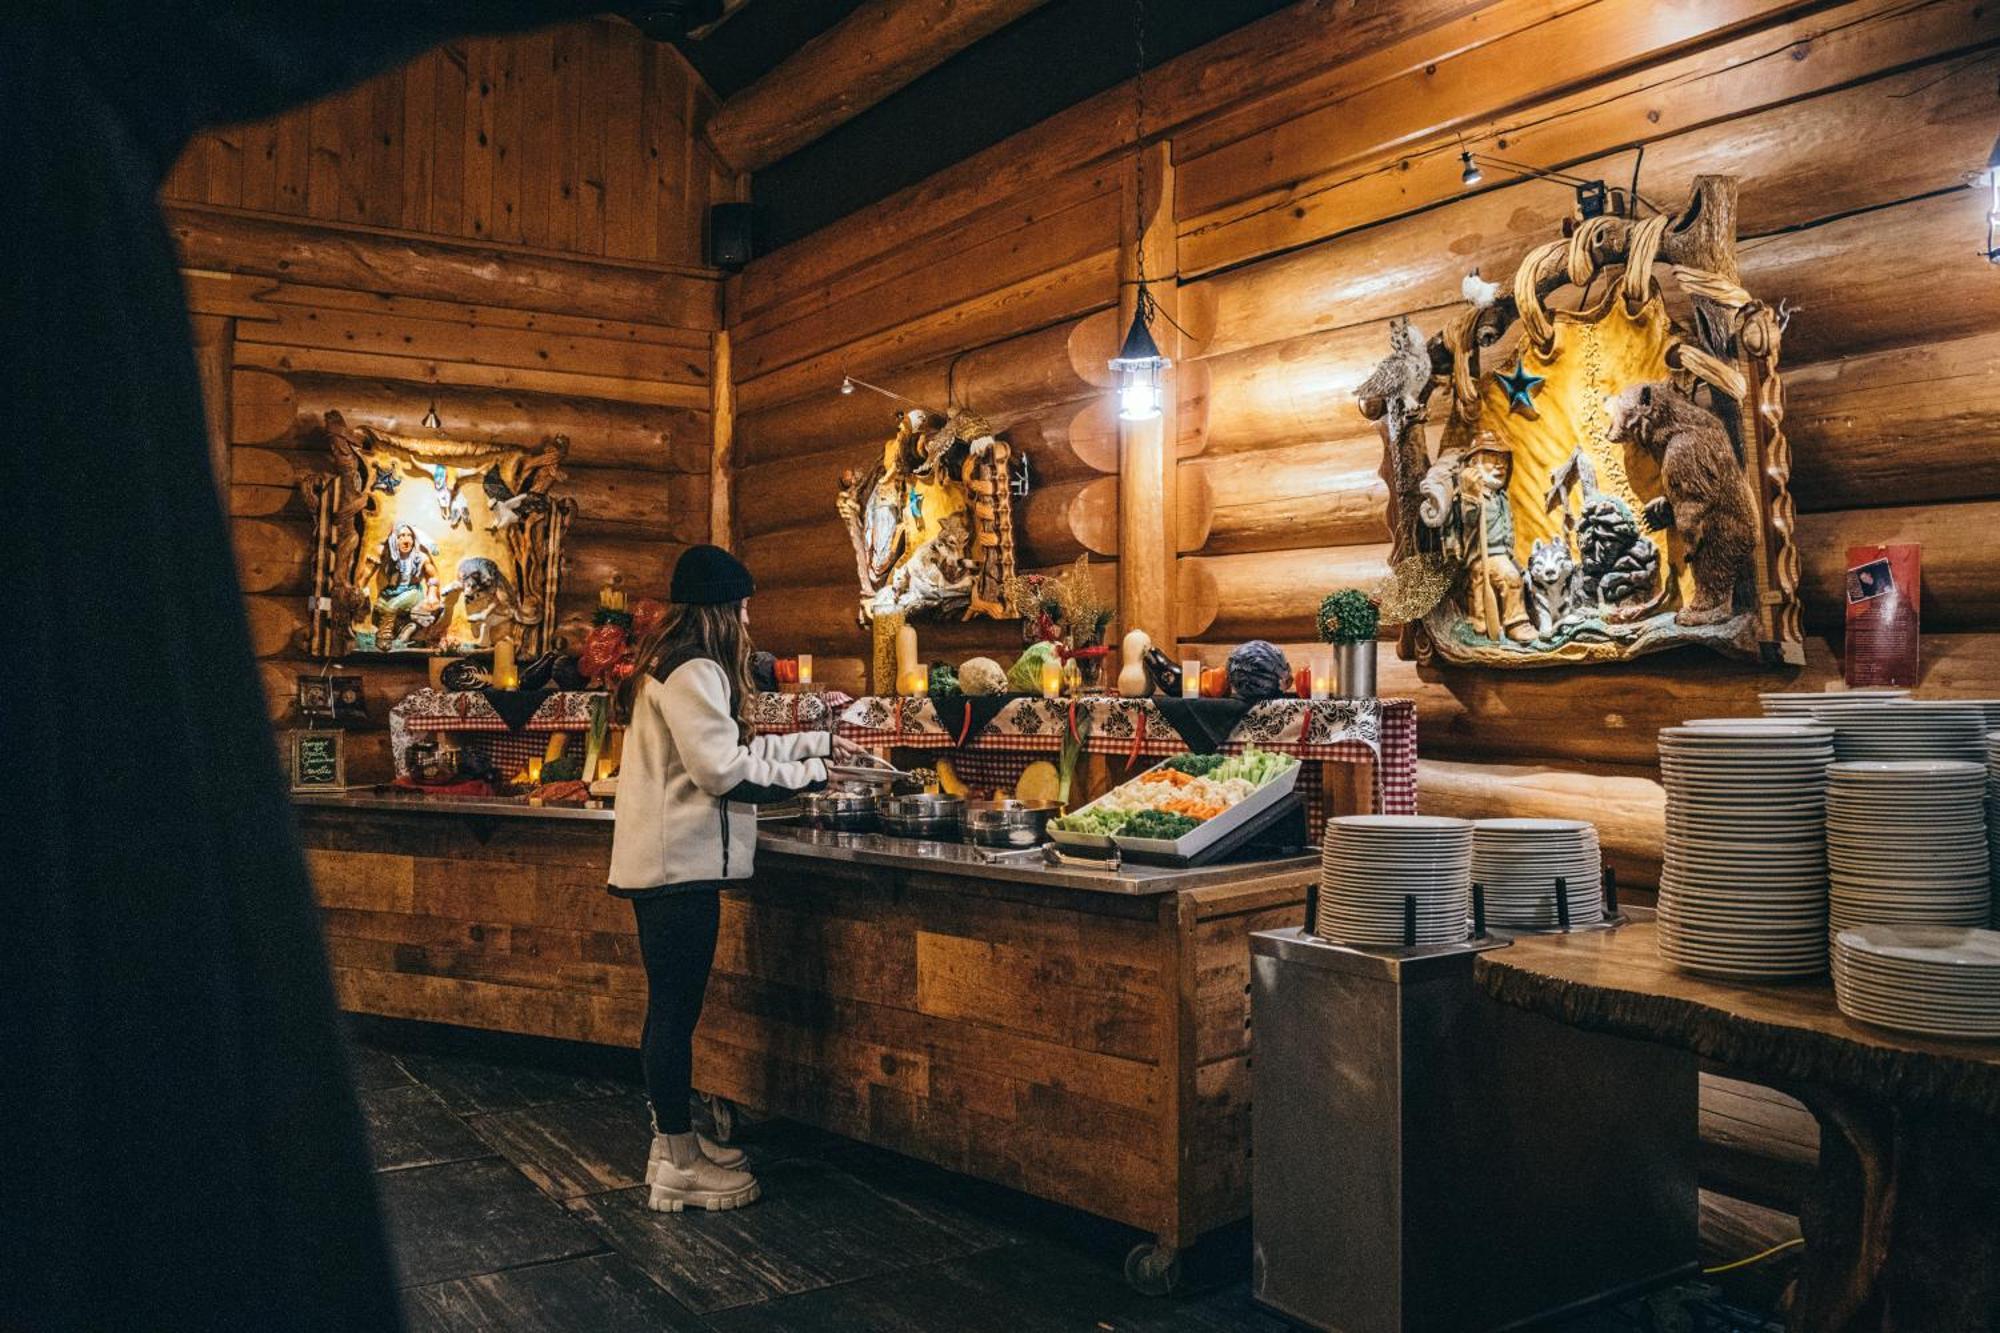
877,770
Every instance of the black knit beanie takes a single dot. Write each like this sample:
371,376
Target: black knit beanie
706,575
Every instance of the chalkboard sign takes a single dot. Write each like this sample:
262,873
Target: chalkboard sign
317,761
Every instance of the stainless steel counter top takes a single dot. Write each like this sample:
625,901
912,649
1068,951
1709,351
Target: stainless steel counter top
868,849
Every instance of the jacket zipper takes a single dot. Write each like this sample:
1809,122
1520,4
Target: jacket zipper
723,807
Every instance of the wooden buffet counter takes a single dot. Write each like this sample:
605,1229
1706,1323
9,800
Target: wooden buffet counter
1082,1035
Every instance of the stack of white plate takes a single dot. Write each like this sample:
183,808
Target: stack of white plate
1369,865
1993,814
1908,729
1906,843
1516,863
1799,707
1743,879
1940,981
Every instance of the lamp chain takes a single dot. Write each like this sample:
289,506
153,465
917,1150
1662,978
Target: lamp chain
1139,140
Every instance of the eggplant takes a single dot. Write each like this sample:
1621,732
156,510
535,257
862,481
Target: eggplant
1163,671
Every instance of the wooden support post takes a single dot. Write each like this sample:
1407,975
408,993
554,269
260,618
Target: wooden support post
1148,504
214,354
722,423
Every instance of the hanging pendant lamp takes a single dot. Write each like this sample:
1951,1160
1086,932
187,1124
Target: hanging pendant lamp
1139,365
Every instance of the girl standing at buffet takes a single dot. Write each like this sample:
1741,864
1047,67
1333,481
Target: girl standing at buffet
686,823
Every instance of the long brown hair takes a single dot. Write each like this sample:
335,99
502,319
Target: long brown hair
711,630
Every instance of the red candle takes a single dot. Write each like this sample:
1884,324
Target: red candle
1303,682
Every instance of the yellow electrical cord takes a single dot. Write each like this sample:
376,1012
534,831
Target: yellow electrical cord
1757,1258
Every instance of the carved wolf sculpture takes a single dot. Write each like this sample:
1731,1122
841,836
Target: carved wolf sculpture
491,604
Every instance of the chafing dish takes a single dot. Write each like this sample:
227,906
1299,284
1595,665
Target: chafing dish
924,815
1009,823
843,809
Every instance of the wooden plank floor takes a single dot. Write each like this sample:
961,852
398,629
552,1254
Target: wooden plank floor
509,1169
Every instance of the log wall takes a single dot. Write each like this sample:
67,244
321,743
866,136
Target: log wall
506,229
1316,196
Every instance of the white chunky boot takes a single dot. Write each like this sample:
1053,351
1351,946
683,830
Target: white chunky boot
732,1158
682,1177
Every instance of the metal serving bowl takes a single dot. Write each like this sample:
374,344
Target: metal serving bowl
1009,823
843,810
924,815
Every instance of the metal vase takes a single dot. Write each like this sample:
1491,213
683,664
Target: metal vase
1354,669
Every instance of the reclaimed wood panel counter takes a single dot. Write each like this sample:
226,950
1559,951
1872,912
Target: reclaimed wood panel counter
1080,1035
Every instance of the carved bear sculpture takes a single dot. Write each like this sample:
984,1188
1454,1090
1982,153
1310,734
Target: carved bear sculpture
1707,501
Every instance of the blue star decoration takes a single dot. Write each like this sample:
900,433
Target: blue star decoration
1520,387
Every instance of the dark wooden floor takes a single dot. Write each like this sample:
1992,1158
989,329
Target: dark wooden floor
510,1175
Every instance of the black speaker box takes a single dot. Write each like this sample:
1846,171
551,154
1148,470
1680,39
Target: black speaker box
731,235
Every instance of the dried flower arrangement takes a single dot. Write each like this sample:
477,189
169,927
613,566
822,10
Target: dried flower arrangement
1067,606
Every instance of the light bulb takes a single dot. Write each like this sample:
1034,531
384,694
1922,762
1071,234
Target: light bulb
1139,400
1470,175
846,384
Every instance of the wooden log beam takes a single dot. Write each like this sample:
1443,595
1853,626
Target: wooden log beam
1001,381
1613,714
1815,178
1891,427
1305,495
1255,59
1049,296
1275,594
284,411
377,260
1341,152
1961,567
878,49
1627,804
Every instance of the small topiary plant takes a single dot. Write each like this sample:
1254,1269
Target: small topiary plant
1348,616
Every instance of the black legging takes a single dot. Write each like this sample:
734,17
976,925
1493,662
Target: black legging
677,940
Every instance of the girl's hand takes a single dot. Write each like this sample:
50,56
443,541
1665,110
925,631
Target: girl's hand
846,749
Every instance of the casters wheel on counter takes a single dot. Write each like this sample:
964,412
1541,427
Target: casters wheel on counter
1153,1269
719,1113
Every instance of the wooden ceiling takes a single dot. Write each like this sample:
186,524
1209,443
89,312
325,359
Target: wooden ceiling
835,104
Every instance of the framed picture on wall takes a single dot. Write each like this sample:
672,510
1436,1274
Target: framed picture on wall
317,761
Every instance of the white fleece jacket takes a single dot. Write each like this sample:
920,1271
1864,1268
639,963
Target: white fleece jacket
673,820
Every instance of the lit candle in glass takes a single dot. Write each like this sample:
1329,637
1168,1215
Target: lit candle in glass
1052,679
505,676
606,766
1322,675
1191,678
534,770
805,669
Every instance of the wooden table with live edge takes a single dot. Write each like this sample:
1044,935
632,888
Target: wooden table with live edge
1902,1225
1078,1034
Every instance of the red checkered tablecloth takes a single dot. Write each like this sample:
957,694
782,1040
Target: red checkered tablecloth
1378,731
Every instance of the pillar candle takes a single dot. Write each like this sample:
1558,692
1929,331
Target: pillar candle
1052,679
906,648
1191,678
805,669
505,677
